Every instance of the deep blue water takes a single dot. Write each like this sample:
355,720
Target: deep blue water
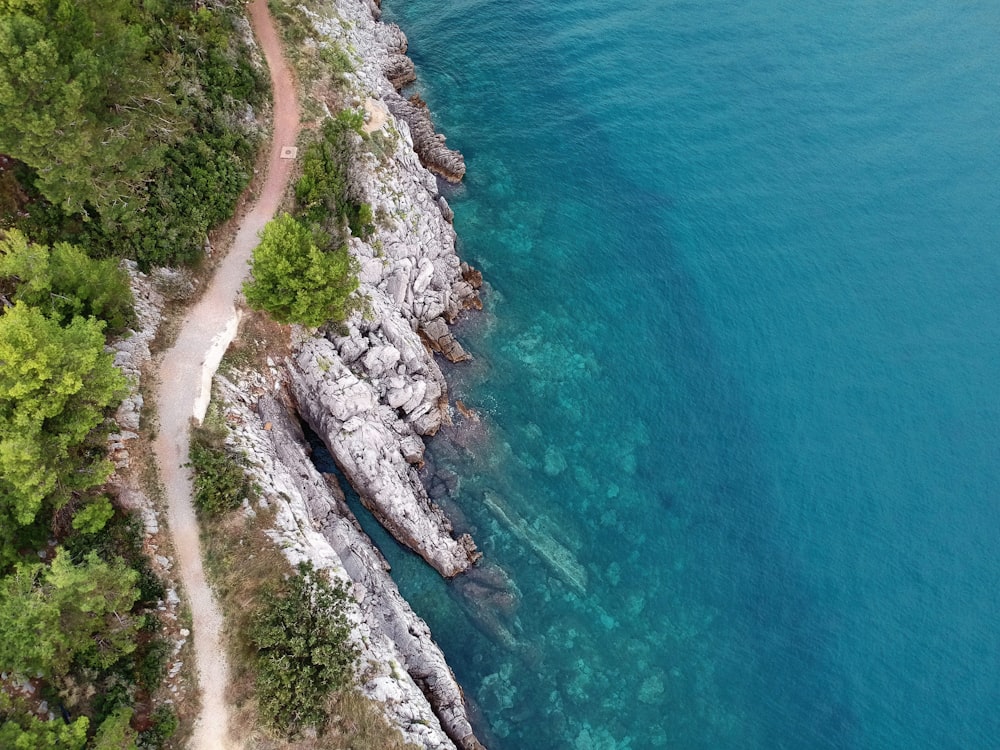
739,365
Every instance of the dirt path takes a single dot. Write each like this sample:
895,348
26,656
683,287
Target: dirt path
185,373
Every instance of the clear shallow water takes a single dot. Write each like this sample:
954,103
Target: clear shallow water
737,375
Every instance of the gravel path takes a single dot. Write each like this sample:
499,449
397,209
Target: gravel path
185,373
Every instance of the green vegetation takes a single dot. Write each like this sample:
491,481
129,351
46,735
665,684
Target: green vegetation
320,64
56,385
220,482
93,112
72,615
323,194
132,136
295,280
64,282
292,663
77,623
131,133
30,733
52,615
302,271
304,652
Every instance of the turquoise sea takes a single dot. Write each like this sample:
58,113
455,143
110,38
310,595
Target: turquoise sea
737,376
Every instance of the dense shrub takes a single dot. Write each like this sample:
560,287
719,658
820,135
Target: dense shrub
324,195
297,281
304,651
163,725
220,483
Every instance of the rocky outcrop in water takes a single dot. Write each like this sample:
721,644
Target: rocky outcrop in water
399,71
376,449
373,388
430,145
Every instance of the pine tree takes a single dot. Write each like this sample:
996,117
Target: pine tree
55,386
64,282
53,615
84,100
297,282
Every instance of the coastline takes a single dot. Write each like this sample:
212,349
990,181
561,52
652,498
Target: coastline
374,390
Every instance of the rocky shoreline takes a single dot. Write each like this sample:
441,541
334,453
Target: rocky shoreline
402,667
372,390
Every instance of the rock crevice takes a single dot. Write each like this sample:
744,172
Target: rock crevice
401,666
376,449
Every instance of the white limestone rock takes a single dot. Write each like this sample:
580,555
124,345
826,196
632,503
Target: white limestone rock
405,670
365,438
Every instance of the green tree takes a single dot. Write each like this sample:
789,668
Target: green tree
92,111
56,384
53,615
65,282
297,282
303,650
29,733
115,732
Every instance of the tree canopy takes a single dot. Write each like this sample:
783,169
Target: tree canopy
55,384
303,650
85,98
30,733
64,281
51,615
297,282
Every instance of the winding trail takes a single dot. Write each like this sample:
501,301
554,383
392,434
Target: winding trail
185,373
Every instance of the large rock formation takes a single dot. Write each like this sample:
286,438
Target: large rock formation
376,449
402,668
430,145
371,389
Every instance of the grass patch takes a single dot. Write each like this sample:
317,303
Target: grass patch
259,339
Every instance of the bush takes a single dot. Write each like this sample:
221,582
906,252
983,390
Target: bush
296,281
323,194
304,651
164,724
220,482
121,538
